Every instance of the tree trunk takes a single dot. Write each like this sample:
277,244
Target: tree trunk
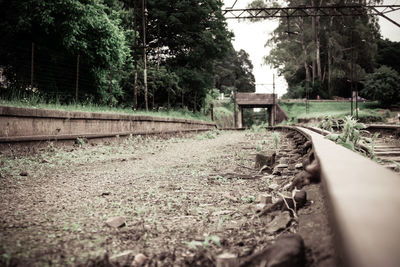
144,54
168,100
318,45
195,101
153,92
183,99
134,51
330,60
303,45
314,69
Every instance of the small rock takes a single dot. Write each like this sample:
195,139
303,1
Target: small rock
260,207
282,166
286,251
273,186
24,173
139,259
227,260
280,222
266,158
123,256
299,166
116,222
283,160
221,212
265,198
230,197
276,172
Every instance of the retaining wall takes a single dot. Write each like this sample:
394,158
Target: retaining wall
29,124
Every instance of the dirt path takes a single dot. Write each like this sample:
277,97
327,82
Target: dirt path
183,199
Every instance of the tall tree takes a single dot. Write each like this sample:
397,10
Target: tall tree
62,30
333,50
234,72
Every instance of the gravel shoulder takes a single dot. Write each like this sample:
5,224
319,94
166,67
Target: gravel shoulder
184,201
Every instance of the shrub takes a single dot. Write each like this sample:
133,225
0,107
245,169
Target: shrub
383,85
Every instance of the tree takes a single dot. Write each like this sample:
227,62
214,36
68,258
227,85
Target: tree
62,30
323,53
191,36
388,54
383,85
234,71
184,40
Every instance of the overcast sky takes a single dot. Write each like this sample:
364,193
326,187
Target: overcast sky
252,36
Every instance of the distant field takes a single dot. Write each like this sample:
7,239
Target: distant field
368,112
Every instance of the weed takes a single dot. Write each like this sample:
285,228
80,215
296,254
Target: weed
349,136
276,139
328,123
206,243
259,147
242,157
248,199
221,179
209,135
80,141
138,139
259,127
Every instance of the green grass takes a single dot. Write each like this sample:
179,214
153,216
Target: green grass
368,112
176,113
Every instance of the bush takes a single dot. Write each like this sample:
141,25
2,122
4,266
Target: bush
383,85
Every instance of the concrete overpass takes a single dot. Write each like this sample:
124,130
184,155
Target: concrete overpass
255,100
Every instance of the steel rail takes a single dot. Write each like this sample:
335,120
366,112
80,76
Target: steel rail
363,202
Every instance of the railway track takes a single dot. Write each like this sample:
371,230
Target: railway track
387,147
363,200
362,197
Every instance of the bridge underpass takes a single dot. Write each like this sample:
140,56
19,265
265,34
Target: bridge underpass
255,100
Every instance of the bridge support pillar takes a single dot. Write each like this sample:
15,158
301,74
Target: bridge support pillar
240,118
272,115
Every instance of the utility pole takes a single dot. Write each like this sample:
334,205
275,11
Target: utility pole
144,53
235,116
77,80
352,69
134,53
273,117
111,78
32,63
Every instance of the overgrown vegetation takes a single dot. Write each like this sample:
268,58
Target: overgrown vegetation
327,56
91,107
368,111
383,85
187,44
351,134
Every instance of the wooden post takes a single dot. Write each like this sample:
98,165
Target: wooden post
235,109
273,117
77,80
111,77
212,111
144,54
134,52
32,63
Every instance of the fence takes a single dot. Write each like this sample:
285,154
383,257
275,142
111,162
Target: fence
61,77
